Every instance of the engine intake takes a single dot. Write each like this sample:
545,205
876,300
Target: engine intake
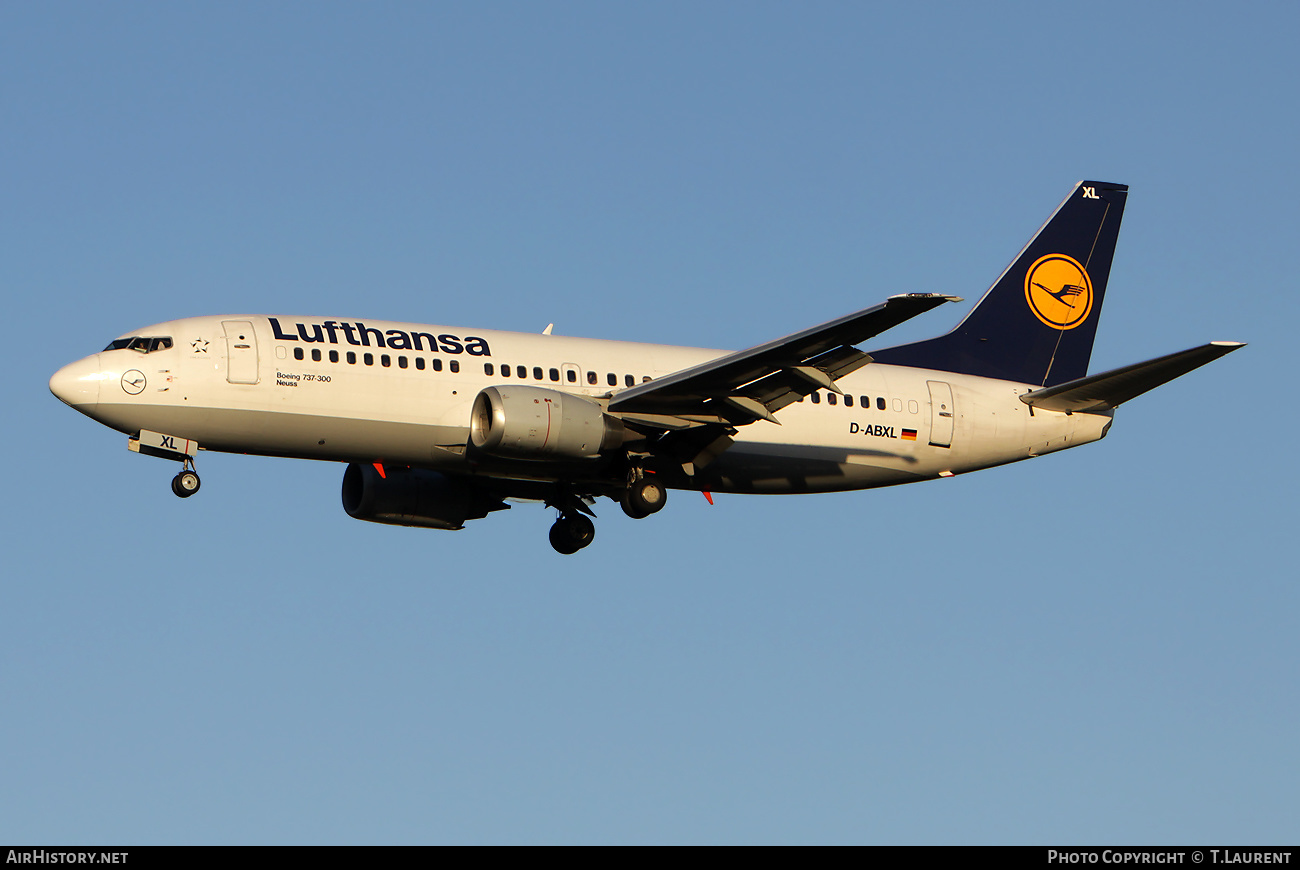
537,423
413,497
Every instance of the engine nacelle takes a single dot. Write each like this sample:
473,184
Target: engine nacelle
537,423
413,497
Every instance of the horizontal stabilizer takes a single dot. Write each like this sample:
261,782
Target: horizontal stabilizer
1108,390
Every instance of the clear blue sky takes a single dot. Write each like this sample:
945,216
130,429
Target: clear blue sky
1098,646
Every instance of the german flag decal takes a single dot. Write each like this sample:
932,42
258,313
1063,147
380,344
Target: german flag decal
909,434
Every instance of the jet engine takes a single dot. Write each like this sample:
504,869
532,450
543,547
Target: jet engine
413,497
537,423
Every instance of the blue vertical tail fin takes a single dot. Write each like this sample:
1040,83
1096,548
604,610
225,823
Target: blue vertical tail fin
1036,324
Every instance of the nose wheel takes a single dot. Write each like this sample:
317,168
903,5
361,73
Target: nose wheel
186,483
571,533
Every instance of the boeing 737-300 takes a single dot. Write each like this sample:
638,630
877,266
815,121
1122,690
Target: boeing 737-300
440,425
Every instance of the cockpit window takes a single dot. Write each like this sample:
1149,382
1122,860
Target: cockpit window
141,343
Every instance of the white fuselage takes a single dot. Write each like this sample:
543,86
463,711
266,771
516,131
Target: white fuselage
376,391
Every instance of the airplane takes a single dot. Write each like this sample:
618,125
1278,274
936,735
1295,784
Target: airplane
441,425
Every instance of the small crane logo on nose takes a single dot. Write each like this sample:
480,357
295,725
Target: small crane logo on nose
134,382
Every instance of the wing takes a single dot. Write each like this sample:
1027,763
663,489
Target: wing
754,384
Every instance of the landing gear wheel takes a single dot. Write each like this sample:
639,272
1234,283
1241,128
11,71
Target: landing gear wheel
185,484
643,497
571,533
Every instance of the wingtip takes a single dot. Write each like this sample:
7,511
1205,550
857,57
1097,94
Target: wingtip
943,296
1232,344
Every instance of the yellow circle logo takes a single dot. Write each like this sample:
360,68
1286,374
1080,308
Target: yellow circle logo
1059,291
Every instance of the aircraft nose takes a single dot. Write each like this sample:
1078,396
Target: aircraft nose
77,384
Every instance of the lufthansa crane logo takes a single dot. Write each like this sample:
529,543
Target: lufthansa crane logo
1059,291
134,382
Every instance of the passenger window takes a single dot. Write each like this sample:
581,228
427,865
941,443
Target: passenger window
454,365
487,369
297,353
555,374
830,398
816,398
352,358
334,356
368,359
612,379
385,360
537,373
848,401
437,364
880,403
315,354
591,378
522,371
419,363
505,371
572,376
401,362
629,380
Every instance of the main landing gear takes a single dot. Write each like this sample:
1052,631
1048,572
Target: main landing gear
186,483
644,496
572,532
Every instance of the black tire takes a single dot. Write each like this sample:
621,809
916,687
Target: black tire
560,539
571,534
645,496
582,529
185,484
632,510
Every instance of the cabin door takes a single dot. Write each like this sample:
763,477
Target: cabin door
241,352
941,413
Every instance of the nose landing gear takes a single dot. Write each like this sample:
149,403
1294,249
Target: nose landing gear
164,446
186,483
